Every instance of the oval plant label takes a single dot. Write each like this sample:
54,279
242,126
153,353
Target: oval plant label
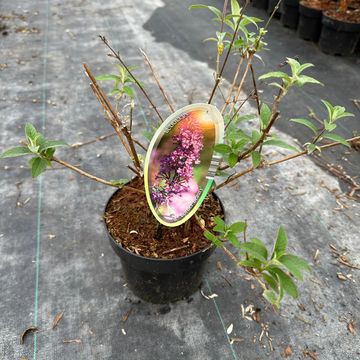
180,163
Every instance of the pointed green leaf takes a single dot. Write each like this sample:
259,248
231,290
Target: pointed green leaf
265,114
255,251
329,109
15,152
306,123
238,227
106,77
129,91
295,265
336,138
30,133
274,74
50,144
253,263
222,148
214,239
256,158
273,283
38,166
285,282
270,296
232,159
233,239
304,79
213,9
280,143
280,244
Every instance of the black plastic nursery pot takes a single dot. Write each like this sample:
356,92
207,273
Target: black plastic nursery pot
338,37
309,23
162,281
260,4
290,13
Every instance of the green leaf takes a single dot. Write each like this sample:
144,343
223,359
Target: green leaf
295,265
253,263
303,67
256,158
258,242
274,74
329,109
270,296
119,182
50,144
238,227
271,281
15,152
265,114
254,250
337,138
233,239
280,143
214,239
222,148
31,133
213,9
306,123
106,77
285,282
304,79
329,126
220,224
255,136
38,166
129,91
280,244
295,66
232,159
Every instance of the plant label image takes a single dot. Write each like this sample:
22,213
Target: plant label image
180,163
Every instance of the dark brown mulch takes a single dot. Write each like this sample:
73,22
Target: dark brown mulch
131,223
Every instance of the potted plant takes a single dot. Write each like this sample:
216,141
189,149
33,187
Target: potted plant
310,18
290,13
341,29
164,263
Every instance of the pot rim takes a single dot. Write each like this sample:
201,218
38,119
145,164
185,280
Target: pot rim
117,244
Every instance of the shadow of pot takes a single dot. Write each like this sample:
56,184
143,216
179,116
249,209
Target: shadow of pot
161,281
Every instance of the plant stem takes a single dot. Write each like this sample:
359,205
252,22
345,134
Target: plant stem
157,80
99,138
92,177
217,81
285,158
248,64
117,56
227,101
114,119
223,15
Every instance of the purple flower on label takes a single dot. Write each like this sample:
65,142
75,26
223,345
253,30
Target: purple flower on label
176,168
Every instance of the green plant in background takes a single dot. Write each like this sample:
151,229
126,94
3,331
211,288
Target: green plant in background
246,135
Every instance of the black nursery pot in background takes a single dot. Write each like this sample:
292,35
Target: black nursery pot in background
309,23
290,13
338,37
162,281
260,4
